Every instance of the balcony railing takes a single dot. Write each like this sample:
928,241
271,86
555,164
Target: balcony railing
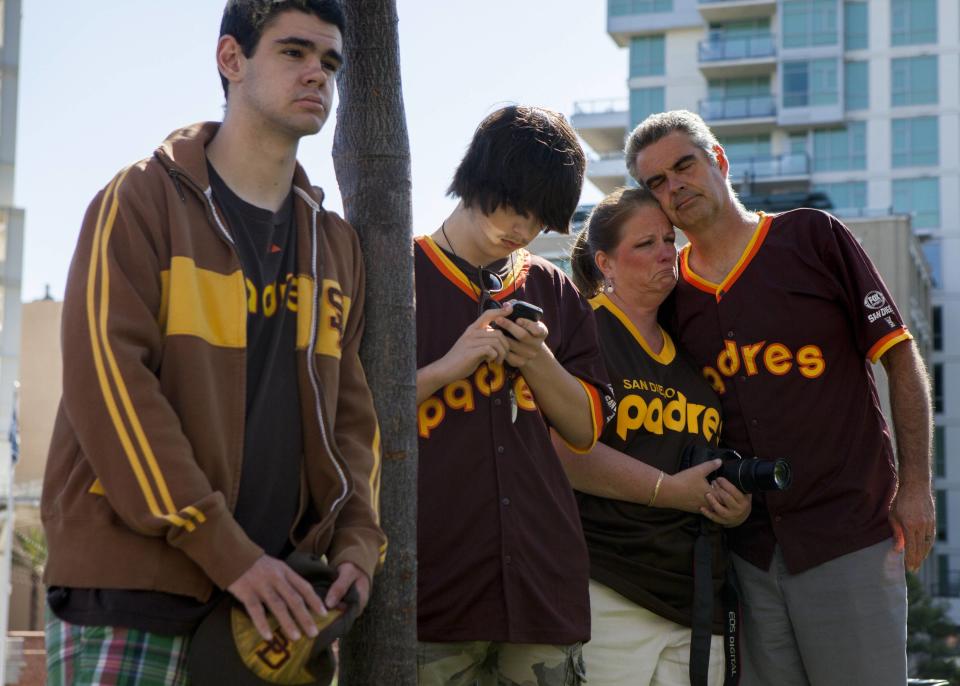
719,48
743,107
770,166
601,106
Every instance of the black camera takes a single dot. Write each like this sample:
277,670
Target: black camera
749,474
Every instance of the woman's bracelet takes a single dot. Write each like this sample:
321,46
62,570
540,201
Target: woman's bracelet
656,490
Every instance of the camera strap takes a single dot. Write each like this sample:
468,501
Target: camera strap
702,616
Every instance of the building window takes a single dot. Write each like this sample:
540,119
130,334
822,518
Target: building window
810,83
913,81
913,22
644,102
939,451
646,56
941,515
938,387
931,250
855,25
919,198
840,149
623,7
856,85
809,22
849,198
938,327
798,143
916,142
943,576
738,98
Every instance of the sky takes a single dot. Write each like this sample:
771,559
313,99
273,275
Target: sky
102,84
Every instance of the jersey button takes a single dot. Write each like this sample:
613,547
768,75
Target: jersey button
500,449
505,501
754,422
743,378
507,559
730,334
777,518
497,402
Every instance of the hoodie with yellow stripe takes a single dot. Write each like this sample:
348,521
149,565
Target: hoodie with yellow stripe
144,466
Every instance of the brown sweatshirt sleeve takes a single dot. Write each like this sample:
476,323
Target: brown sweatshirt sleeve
357,535
125,426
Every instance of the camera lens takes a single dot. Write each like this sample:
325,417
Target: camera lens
756,476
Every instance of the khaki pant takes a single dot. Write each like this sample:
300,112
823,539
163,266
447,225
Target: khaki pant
485,663
632,646
843,622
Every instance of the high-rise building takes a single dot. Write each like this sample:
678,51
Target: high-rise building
851,104
11,218
11,257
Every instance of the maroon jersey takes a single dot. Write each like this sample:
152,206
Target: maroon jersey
500,550
786,341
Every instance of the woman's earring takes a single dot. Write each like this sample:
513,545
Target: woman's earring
609,285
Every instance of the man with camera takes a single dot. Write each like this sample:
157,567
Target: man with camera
506,348
781,313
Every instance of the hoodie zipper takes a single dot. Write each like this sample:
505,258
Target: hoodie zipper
312,345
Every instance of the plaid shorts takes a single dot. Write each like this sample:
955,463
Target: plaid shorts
114,656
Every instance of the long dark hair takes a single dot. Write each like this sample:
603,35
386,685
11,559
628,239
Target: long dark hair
526,159
602,231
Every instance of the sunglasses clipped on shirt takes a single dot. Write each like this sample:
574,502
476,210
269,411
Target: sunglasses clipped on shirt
490,284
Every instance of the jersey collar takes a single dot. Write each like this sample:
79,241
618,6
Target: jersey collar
721,289
514,279
666,354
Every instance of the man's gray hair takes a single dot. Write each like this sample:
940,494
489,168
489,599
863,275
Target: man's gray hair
656,126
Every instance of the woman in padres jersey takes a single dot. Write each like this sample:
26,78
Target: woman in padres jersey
641,514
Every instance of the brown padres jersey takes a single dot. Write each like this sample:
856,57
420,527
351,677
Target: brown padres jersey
663,405
786,341
500,550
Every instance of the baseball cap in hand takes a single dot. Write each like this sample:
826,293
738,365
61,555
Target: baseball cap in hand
227,648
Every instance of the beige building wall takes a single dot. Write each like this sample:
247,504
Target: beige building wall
40,387
41,383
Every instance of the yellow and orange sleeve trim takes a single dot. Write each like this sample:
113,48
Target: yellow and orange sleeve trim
116,396
515,279
878,349
596,417
751,250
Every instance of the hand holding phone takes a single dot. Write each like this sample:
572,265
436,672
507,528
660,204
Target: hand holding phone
521,310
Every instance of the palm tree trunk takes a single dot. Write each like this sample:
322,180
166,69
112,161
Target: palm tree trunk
371,156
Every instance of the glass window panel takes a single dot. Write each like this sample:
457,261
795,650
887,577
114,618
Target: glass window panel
624,7
938,327
798,143
919,198
931,250
941,515
855,26
647,56
915,142
809,22
913,22
913,80
938,387
823,82
856,84
796,80
939,452
644,102
840,149
848,198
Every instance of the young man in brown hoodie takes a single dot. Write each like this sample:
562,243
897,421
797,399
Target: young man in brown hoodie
215,415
